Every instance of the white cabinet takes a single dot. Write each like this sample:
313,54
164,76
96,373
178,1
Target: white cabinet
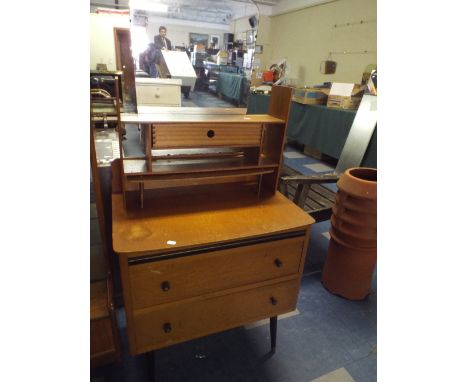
158,91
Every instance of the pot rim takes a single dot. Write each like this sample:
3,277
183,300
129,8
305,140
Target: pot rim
351,172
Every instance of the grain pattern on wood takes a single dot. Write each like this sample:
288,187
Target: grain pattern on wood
99,305
175,180
280,102
164,281
199,118
259,137
205,135
158,110
209,215
102,344
194,319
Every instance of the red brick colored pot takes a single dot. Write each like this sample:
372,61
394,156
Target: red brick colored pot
352,253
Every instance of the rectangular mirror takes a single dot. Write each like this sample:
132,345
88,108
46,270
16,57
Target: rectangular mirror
208,45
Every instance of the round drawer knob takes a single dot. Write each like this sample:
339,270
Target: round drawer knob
165,286
167,327
278,263
210,134
273,301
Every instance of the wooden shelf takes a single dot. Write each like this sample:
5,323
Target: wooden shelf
198,149
188,178
199,165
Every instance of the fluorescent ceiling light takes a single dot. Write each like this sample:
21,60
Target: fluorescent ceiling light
148,5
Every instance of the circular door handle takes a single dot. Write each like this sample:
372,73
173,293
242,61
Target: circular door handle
167,327
278,263
165,286
210,134
273,301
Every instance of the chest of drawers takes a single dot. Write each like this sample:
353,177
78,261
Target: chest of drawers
182,278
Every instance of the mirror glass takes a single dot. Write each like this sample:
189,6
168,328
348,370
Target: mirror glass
193,53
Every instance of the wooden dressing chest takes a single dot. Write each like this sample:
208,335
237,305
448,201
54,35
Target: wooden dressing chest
199,264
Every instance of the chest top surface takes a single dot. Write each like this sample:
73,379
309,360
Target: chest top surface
150,117
174,221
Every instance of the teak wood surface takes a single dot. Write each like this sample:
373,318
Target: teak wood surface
198,118
156,110
192,135
195,318
213,290
188,276
182,219
199,259
259,137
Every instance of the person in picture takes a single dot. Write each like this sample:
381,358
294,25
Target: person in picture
161,41
150,59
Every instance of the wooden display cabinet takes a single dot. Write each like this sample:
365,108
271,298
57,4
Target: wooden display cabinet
199,149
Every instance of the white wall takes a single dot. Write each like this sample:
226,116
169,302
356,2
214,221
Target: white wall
239,26
178,30
102,38
305,37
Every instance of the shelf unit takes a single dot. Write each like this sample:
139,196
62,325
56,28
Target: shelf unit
204,149
106,95
104,334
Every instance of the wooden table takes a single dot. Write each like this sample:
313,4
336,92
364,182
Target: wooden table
196,263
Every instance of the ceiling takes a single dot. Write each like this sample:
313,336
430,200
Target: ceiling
208,11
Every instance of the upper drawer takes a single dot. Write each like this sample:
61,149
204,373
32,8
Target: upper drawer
206,135
158,95
169,280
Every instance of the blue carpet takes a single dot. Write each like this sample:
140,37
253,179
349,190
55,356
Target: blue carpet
330,332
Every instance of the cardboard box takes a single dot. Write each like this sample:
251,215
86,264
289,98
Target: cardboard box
310,96
222,57
345,96
256,78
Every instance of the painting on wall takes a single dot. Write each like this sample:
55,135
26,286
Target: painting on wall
198,39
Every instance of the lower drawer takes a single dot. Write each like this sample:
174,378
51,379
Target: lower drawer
181,321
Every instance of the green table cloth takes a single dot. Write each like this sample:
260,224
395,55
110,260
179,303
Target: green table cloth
230,85
319,127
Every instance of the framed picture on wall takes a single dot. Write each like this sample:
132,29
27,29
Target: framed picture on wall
250,36
214,41
198,39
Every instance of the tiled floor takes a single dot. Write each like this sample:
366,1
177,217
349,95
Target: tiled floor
328,338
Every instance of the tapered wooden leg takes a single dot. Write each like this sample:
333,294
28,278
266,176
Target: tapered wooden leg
273,326
150,366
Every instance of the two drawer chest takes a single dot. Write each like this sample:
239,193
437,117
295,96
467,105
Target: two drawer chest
193,264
